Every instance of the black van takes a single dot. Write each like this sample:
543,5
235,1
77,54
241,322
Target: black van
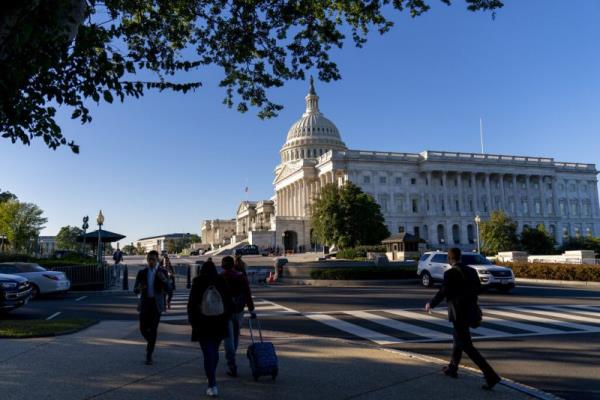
15,292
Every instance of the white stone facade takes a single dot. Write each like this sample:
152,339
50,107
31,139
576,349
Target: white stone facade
434,194
217,232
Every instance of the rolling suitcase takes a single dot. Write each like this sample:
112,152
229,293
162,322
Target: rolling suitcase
262,356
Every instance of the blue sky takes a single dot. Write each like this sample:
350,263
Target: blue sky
166,162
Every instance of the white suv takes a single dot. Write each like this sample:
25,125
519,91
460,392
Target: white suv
432,266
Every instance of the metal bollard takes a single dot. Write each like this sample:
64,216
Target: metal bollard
125,278
189,277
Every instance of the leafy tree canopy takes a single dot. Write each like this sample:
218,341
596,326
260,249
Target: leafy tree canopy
178,245
21,223
347,217
5,196
129,249
68,53
66,239
499,233
537,241
582,243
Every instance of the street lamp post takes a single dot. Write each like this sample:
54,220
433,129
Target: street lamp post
477,222
100,221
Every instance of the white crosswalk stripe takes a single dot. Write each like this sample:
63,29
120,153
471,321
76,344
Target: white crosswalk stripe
404,326
264,308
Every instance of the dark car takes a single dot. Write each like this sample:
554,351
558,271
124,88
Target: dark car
248,249
15,291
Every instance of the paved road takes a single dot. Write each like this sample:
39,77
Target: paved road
546,337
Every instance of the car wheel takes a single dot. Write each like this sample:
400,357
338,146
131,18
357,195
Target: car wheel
426,279
35,291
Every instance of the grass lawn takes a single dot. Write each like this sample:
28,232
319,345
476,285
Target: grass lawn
35,328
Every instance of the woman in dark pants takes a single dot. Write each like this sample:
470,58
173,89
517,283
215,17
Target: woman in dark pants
170,272
209,331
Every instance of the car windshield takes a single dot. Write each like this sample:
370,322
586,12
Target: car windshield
475,259
31,268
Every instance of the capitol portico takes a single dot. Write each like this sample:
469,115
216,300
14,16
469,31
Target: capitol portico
434,195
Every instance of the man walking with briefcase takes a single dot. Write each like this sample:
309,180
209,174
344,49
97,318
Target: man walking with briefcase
461,288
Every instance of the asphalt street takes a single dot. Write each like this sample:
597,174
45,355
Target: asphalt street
546,337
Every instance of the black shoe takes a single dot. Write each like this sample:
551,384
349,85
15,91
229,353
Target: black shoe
232,371
489,385
449,371
149,360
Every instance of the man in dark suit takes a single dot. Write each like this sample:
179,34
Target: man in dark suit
460,289
151,285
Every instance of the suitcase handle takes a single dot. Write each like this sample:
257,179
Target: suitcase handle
259,330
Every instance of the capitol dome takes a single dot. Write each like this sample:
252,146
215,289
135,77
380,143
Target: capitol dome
313,134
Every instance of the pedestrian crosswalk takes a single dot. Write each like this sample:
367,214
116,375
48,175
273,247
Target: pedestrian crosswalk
264,308
393,326
396,326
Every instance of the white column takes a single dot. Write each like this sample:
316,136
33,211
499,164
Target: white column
461,198
555,202
428,195
488,187
595,205
542,197
503,201
295,199
447,205
529,195
475,193
517,198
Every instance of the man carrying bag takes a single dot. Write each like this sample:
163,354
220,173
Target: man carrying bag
461,288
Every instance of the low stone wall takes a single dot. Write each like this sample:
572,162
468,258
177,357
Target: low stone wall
302,271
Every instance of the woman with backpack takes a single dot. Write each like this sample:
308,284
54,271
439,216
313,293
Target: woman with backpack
209,309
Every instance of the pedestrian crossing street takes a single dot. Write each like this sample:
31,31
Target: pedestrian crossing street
264,308
396,326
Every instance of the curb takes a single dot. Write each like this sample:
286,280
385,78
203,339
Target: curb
559,283
348,283
54,334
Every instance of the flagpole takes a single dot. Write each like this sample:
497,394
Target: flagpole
481,133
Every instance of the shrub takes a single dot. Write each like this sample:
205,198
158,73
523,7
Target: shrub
562,272
364,273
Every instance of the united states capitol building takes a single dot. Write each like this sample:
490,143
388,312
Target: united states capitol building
433,194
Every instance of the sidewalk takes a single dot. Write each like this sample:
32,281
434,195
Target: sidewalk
106,362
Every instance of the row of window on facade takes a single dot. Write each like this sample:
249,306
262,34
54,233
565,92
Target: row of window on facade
423,232
303,153
577,208
383,180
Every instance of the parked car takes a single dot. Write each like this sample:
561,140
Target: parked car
41,280
432,266
15,292
249,249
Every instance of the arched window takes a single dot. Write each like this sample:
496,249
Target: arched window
456,234
441,234
470,234
552,231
